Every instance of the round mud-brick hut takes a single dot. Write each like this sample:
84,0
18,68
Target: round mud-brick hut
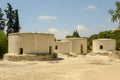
63,47
104,45
78,45
30,46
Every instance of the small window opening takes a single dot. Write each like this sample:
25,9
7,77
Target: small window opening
56,47
101,46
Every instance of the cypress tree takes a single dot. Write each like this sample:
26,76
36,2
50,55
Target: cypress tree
13,20
16,25
2,21
76,34
10,19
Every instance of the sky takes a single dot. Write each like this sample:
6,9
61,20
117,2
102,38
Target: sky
62,17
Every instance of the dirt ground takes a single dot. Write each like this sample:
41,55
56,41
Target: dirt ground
66,68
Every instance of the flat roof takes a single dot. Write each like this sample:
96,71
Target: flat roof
103,39
76,38
29,33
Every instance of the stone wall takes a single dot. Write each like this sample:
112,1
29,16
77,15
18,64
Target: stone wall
63,47
14,57
103,45
30,43
115,54
79,45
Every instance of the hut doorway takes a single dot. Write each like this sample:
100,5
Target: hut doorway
81,48
21,51
50,49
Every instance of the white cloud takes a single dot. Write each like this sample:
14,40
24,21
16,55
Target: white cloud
47,17
53,30
81,28
59,34
91,7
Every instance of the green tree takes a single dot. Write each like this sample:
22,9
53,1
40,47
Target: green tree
115,13
116,35
2,21
104,34
76,34
13,20
10,17
3,44
16,24
69,36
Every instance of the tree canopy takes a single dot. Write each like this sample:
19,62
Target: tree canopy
74,35
13,20
10,18
3,44
16,24
2,20
115,13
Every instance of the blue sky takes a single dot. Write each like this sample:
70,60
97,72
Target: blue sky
62,17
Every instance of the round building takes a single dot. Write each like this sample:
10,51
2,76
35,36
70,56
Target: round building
78,45
30,45
103,45
63,47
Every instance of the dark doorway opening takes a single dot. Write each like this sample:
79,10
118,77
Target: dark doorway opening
21,51
50,49
81,48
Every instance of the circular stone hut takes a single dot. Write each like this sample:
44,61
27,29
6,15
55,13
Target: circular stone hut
78,45
30,46
63,47
104,45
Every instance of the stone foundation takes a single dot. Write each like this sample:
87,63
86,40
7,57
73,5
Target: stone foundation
112,54
28,57
115,54
105,53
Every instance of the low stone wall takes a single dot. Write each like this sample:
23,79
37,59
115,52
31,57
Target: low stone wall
13,57
110,54
115,54
100,53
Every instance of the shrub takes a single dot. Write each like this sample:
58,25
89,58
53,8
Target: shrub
3,44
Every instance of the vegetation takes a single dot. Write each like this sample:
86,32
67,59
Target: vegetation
2,21
10,17
16,24
90,41
74,35
12,25
3,43
115,13
13,20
